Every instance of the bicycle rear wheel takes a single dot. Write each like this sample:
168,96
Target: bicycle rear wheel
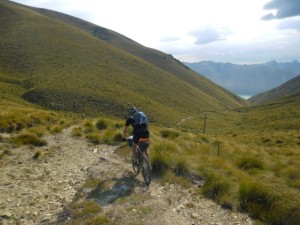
146,170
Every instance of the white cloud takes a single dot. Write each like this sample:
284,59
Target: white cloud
209,34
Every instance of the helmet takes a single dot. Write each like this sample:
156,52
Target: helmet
132,110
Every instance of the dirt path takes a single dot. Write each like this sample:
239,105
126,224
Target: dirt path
36,191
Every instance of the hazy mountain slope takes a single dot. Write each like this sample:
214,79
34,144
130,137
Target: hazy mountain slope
287,90
247,79
62,67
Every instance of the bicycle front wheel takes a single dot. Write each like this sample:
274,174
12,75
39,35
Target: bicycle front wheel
146,170
136,167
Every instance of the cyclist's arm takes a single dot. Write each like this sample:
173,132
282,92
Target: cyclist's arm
129,122
125,131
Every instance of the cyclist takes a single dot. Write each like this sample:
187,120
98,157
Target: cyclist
138,120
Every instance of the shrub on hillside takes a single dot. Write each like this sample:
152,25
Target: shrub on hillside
93,138
216,186
76,131
101,124
257,199
88,126
6,126
56,129
108,136
250,162
28,139
169,134
181,167
160,158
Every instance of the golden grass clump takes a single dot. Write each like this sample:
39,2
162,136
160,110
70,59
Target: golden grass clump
101,124
99,131
28,139
256,198
216,185
168,133
77,132
250,163
181,167
161,157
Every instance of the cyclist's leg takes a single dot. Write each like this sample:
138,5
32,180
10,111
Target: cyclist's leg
134,146
145,134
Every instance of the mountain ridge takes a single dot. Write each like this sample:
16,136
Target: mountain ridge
288,90
247,79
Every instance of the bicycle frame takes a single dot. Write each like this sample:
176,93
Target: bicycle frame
143,162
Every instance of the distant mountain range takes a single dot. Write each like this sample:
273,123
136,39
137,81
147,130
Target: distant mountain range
288,90
247,79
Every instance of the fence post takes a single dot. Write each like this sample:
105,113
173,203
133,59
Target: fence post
204,123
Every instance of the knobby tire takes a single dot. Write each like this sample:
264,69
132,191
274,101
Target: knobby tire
136,168
146,169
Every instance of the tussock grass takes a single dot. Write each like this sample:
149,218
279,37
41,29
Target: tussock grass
77,131
101,124
161,157
56,129
181,167
250,163
169,133
256,198
16,118
99,131
28,139
216,186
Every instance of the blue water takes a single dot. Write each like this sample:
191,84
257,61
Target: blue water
245,96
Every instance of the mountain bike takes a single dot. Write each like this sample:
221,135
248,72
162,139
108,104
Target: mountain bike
143,162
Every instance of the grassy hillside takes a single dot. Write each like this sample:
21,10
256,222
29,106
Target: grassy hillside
56,65
290,89
155,57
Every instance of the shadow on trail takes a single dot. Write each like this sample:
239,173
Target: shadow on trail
122,187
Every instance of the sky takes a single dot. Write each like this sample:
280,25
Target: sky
235,31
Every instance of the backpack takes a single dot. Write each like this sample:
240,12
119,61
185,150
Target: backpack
140,118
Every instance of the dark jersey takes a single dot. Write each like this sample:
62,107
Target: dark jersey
139,131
